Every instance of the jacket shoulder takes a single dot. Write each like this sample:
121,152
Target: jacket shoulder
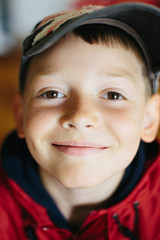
10,211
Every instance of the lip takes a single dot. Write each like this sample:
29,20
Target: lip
79,149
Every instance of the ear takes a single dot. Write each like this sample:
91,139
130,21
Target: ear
18,114
151,119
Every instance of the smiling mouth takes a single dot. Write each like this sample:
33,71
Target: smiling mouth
79,149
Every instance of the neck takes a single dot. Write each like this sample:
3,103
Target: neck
76,203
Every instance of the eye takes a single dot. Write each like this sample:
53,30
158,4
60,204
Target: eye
112,96
53,94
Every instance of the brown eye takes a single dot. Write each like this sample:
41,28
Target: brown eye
112,96
52,94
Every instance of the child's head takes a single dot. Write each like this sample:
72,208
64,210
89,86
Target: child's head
87,103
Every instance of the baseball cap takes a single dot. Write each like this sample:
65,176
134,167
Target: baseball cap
140,21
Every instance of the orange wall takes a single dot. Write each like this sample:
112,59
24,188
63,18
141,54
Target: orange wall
9,71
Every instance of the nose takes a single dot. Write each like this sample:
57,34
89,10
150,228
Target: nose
81,115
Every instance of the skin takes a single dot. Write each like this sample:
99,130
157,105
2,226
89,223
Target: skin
101,100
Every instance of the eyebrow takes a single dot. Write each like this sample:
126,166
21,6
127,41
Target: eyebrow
124,75
118,74
44,74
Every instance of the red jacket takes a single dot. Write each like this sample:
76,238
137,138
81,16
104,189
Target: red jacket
80,3
21,215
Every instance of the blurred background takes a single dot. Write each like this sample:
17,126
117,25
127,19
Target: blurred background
17,17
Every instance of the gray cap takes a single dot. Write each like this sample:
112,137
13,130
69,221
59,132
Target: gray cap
141,21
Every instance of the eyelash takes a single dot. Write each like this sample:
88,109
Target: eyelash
52,94
113,96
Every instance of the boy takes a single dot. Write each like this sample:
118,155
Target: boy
85,164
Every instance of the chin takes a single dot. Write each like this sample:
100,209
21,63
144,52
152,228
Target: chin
80,182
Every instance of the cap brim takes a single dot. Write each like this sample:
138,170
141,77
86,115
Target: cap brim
142,21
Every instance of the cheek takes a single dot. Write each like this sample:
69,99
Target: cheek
125,130
38,121
125,125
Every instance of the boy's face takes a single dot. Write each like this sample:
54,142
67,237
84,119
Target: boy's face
83,111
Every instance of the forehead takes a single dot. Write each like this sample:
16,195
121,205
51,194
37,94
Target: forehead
65,48
72,55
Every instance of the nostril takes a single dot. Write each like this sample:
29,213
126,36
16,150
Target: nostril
88,126
80,122
71,125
